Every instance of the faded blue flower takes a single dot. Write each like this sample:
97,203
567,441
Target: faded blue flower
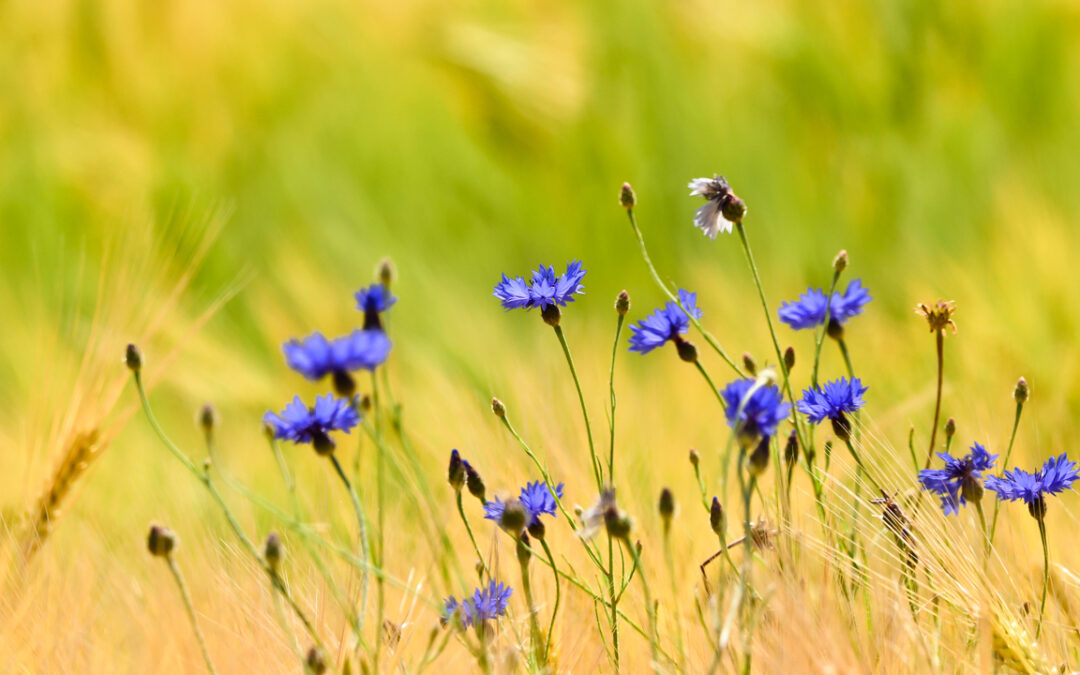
959,480
761,411
667,323
545,289
721,209
809,310
300,424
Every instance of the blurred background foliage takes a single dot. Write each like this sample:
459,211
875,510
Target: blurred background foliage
936,142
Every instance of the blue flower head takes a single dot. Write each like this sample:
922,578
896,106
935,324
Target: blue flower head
300,424
835,399
958,482
669,322
1056,475
537,500
316,357
546,289
761,409
373,301
484,605
810,309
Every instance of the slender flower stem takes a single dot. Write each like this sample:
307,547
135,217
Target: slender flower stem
861,466
555,608
712,385
364,543
280,613
1005,464
534,624
667,291
380,541
468,528
747,565
611,389
191,611
1046,577
651,609
584,410
610,571
982,527
824,329
940,339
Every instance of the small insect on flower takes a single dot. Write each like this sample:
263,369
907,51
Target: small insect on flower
484,605
810,309
670,322
834,401
1056,475
723,209
938,315
753,409
960,481
316,357
546,288
301,424
373,300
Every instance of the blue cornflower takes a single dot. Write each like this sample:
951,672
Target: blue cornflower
762,411
373,301
834,401
316,357
1056,475
537,501
484,605
545,290
300,424
809,310
669,322
958,482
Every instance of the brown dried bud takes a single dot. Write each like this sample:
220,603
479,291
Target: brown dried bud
695,458
716,518
667,506
316,661
273,552
950,428
1022,391
622,303
749,364
627,198
939,315
161,541
133,358
789,358
839,263
207,419
498,408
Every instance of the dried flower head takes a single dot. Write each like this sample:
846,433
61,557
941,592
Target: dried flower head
133,358
723,209
938,315
627,198
161,541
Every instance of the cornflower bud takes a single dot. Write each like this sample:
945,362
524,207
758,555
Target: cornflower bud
840,262
273,552
667,507
716,518
758,460
474,482
133,358
1022,391
749,364
789,358
622,303
456,471
627,198
161,541
498,408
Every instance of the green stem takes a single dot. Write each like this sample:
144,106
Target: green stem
747,566
1005,464
861,466
651,609
674,298
534,624
611,389
940,340
364,542
584,410
468,528
555,609
712,385
280,613
824,329
191,611
610,571
380,542
1046,577
983,529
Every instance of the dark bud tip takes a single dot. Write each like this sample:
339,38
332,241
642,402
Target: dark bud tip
1037,508
835,329
839,263
133,358
552,315
622,303
695,458
323,444
791,449
523,552
716,517
514,517
498,408
344,384
273,551
207,419
617,523
841,427
161,541
758,460
316,661
950,427
789,358
365,404
385,272
474,482
733,208
1022,391
667,506
687,350
627,198
536,529
749,364
456,472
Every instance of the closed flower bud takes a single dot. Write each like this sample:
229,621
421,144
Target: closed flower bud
514,517
695,458
791,449
835,329
523,552
385,272
474,482
316,661
161,541
456,472
687,350
273,552
617,523
789,358
552,315
841,427
627,198
950,428
1037,508
749,364
839,263
536,529
716,517
758,460
133,358
1021,393
365,404
667,506
622,303
207,419
733,208
498,408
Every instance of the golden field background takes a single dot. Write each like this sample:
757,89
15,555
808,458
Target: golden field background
211,178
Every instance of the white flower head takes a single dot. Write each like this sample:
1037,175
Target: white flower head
717,214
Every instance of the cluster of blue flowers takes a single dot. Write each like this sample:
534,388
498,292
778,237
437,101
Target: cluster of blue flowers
960,479
546,288
754,410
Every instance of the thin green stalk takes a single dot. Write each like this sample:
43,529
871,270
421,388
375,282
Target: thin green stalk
611,389
674,298
824,329
610,571
670,560
1005,464
861,466
534,624
747,566
712,385
191,611
650,607
584,410
280,613
982,528
940,341
1046,577
468,528
364,543
380,541
555,608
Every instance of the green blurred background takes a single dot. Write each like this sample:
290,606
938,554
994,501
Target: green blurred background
936,142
